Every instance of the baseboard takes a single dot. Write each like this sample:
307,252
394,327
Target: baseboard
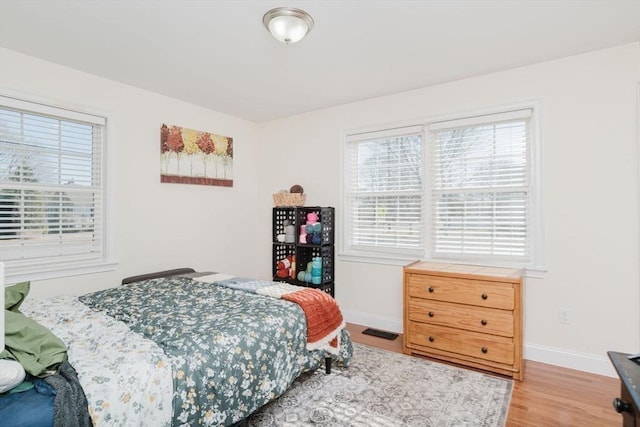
599,365
379,322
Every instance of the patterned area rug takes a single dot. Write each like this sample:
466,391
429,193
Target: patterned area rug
383,388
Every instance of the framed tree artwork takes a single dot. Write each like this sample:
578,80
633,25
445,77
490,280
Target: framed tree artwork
189,156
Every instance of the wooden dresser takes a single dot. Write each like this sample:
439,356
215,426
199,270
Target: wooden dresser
465,314
628,404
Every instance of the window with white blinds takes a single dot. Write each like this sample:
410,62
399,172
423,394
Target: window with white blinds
480,187
460,190
385,191
51,189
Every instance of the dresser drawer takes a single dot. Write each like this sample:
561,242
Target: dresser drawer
472,318
473,344
458,290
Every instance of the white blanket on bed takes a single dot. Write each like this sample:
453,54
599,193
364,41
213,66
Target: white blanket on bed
212,278
126,378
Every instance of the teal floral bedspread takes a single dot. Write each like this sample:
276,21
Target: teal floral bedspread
231,351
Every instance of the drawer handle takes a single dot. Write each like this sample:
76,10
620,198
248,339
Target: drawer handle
431,289
431,314
485,296
483,322
621,406
484,349
431,338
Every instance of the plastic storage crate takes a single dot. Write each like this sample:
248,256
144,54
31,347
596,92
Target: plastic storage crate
280,215
281,251
326,216
305,255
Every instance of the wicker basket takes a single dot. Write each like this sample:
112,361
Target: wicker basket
288,199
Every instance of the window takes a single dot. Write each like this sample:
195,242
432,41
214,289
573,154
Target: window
470,197
385,192
480,188
51,188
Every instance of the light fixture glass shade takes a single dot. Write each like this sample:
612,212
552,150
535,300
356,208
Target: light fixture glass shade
287,24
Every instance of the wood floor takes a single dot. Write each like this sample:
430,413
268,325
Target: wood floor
549,396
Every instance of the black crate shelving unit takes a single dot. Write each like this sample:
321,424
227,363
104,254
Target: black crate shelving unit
305,252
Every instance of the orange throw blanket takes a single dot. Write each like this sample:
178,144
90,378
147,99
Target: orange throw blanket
324,319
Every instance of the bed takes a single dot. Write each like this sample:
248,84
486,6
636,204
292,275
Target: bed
185,348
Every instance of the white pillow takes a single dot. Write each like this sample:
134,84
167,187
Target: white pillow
11,374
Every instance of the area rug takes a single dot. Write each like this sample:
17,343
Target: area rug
382,388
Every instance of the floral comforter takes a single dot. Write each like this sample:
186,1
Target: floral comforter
126,378
230,351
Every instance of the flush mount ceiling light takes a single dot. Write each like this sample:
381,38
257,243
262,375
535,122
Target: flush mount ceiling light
287,24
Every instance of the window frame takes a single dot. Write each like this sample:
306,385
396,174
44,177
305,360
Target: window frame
535,267
105,260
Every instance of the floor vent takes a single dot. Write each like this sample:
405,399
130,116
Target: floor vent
381,334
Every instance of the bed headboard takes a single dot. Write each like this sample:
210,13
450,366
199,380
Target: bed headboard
157,274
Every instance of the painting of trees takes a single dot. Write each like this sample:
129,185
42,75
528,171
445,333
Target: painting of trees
200,157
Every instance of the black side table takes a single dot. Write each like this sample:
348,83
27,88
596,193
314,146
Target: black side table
629,401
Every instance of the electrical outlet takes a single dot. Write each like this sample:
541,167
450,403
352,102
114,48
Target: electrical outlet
564,316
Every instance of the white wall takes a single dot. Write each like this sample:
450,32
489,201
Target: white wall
590,197
157,226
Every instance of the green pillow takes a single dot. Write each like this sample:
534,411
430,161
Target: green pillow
37,349
14,295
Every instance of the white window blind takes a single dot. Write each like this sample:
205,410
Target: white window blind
384,191
51,191
480,187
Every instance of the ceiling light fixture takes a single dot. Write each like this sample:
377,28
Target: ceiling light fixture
287,24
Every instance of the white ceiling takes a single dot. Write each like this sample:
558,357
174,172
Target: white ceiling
217,53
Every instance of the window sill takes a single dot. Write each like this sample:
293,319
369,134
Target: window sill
65,271
378,259
537,272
